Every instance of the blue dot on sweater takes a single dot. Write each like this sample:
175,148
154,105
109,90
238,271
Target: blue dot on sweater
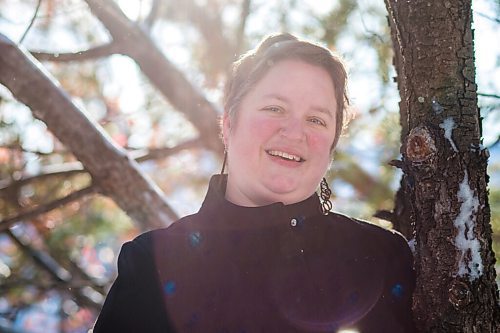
195,239
397,290
169,287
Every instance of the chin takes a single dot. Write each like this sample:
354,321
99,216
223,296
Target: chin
287,195
282,186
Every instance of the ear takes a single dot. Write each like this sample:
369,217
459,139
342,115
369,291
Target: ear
226,128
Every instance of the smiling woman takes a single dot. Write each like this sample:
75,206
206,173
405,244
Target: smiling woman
279,144
263,254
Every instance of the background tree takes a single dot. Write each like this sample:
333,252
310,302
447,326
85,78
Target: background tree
443,197
147,76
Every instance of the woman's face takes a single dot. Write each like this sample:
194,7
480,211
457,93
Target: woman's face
279,141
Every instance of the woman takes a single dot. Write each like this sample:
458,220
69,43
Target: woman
264,254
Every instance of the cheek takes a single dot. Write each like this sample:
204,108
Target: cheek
262,129
250,138
321,144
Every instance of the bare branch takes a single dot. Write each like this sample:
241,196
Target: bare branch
496,20
89,54
8,222
70,171
488,95
47,263
154,154
20,148
153,14
385,215
171,82
42,259
111,168
31,22
240,35
497,141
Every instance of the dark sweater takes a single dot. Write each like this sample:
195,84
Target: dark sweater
277,268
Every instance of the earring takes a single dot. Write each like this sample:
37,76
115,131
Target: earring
325,193
224,161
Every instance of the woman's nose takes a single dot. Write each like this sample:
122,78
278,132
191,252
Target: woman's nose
293,129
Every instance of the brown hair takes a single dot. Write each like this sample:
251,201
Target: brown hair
252,66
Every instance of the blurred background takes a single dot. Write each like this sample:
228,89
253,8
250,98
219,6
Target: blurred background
55,268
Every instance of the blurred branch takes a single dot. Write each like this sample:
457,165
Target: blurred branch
89,54
171,82
112,170
41,209
74,168
494,143
385,215
207,20
64,170
47,263
367,186
42,259
496,20
240,34
153,14
488,95
8,327
158,153
31,22
20,148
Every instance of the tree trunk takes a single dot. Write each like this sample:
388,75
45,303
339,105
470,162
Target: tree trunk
443,203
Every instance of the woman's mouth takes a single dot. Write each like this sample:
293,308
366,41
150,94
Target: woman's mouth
285,156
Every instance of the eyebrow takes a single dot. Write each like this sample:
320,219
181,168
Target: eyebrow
284,99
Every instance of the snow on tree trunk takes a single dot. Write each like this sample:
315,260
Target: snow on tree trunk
443,204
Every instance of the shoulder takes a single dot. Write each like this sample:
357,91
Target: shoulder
387,239
153,244
181,226
358,225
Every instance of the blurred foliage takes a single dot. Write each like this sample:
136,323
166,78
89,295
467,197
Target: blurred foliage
201,38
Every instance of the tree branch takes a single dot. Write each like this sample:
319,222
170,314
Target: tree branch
42,259
65,170
31,22
70,169
89,54
488,95
18,147
47,263
161,72
240,35
488,17
8,222
153,14
497,141
158,153
112,170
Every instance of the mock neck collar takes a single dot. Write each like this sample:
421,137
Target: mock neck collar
226,214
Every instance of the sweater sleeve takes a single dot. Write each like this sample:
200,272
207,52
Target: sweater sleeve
134,302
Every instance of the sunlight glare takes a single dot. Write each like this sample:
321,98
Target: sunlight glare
135,9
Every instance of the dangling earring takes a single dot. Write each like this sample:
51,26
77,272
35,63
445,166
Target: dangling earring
224,161
325,193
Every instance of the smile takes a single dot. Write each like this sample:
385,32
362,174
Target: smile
286,156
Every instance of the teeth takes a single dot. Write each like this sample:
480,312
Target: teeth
287,156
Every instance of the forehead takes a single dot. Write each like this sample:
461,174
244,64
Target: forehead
296,80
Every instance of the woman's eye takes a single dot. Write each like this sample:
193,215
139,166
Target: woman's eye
317,121
273,109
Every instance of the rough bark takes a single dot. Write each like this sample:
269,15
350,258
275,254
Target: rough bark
443,200
112,170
